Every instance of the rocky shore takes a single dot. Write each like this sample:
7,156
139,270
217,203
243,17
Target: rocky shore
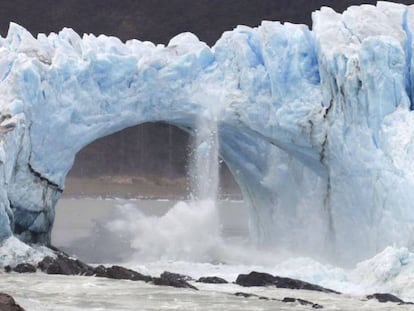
63,264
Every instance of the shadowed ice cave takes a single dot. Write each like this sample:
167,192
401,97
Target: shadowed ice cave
116,170
150,160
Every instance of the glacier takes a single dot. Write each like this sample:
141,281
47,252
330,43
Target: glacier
315,125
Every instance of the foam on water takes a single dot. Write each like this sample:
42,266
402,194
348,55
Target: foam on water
182,241
82,293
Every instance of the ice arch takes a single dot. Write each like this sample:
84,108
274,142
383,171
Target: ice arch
315,125
70,91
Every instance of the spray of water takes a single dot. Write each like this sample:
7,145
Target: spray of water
205,178
205,170
189,230
182,234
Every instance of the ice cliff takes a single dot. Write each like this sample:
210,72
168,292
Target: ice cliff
316,125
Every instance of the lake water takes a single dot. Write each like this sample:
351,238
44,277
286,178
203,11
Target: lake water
152,236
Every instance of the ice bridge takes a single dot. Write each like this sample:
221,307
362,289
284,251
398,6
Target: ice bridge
315,125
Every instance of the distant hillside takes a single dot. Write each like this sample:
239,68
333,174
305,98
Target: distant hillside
158,20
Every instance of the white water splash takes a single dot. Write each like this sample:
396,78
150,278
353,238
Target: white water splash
189,230
205,166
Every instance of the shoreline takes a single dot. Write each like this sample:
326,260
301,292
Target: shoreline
140,188
249,288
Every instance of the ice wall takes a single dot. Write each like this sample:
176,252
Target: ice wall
366,81
315,125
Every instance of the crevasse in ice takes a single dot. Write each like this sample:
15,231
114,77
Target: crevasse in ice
316,126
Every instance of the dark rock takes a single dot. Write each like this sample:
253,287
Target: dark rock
100,271
302,302
255,279
174,280
64,265
245,295
212,280
49,266
176,276
85,268
7,303
286,299
384,297
120,273
24,268
173,283
248,295
66,260
8,269
265,279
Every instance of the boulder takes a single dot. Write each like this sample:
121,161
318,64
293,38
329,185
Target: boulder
24,268
384,297
265,279
176,276
212,280
64,265
174,280
120,273
7,303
